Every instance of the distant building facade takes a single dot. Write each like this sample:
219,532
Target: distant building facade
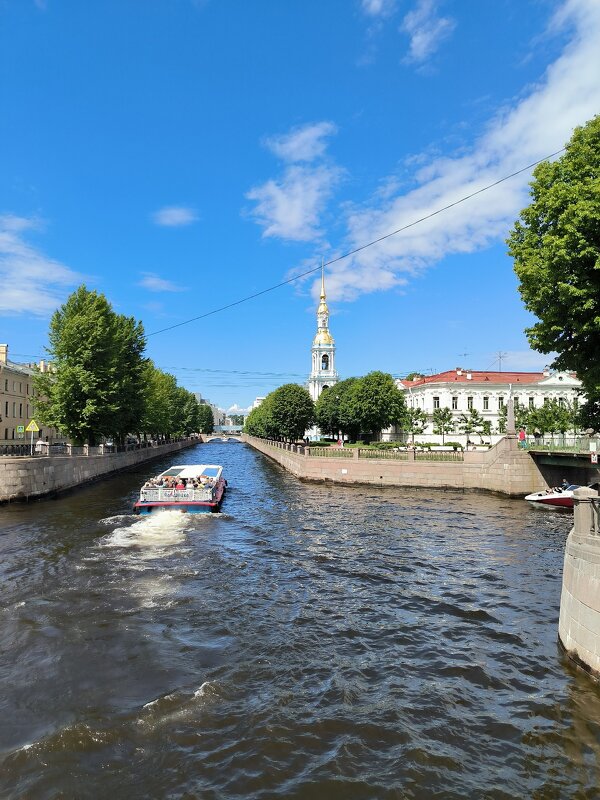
219,414
17,398
461,390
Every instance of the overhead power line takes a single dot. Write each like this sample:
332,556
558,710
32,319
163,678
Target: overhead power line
356,249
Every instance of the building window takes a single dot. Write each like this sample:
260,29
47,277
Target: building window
325,362
486,403
20,410
532,402
516,402
13,433
454,403
6,411
6,390
469,403
20,387
14,409
561,402
546,401
436,402
500,403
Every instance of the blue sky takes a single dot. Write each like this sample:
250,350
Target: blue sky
179,155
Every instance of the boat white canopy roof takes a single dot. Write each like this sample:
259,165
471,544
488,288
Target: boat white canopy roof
193,471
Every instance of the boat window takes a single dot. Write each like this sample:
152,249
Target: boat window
172,473
210,472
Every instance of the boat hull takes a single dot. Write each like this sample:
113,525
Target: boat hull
184,506
551,500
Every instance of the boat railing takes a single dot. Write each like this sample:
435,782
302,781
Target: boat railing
158,495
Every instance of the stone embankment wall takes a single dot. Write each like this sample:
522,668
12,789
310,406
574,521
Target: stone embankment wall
505,468
579,622
30,478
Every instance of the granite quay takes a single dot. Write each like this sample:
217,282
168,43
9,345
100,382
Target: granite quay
505,468
579,623
24,477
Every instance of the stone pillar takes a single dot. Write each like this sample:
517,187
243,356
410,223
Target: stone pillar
579,622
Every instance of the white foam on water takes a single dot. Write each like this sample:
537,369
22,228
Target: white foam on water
117,518
156,531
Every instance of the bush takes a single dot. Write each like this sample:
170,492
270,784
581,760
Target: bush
455,445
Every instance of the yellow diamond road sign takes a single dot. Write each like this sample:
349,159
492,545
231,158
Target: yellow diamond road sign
32,427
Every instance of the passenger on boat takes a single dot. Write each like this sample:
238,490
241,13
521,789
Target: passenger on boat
180,484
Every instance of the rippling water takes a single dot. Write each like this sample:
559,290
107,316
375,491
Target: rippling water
308,642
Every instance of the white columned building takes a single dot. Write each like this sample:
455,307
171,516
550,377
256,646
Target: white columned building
323,373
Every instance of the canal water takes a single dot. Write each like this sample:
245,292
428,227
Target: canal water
310,641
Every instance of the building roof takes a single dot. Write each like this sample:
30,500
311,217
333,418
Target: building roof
478,376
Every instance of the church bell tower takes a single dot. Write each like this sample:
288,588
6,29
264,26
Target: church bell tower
323,373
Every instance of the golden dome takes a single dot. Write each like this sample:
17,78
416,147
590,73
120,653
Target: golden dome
323,337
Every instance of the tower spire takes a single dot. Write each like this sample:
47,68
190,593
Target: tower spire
322,278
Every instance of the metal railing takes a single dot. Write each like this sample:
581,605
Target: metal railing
390,455
439,455
45,449
564,444
331,452
159,495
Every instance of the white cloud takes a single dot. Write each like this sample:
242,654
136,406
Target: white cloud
175,216
154,283
533,127
426,30
290,207
378,8
302,144
235,409
31,282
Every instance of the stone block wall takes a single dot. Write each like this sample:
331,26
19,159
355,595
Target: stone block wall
30,478
505,469
579,622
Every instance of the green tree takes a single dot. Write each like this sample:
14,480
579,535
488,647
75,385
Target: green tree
206,423
334,410
96,388
443,421
471,422
376,402
349,424
292,411
556,250
415,422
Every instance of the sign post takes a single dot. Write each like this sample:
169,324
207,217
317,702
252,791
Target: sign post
33,427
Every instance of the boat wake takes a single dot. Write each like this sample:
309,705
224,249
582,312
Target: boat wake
152,533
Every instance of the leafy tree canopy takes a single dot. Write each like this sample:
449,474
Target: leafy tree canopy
376,402
556,250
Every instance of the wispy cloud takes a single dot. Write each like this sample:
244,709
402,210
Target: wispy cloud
426,30
154,283
537,124
306,143
175,216
378,8
290,206
32,283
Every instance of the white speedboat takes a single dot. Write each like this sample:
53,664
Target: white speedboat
194,488
557,497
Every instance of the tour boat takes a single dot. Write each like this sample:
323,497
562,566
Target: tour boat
195,488
557,497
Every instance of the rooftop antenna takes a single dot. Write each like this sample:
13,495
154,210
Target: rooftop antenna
500,356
